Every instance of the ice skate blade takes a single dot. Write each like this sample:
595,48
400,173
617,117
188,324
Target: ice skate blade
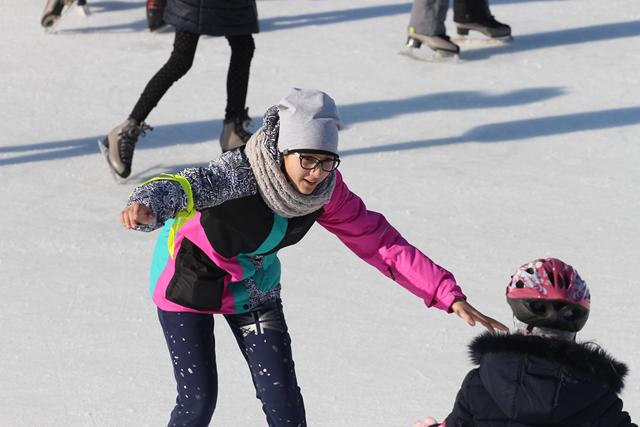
104,150
70,5
49,22
427,55
482,41
53,28
83,10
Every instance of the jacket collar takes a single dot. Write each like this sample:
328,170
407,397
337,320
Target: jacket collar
587,358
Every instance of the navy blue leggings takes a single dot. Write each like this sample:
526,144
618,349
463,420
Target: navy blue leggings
266,346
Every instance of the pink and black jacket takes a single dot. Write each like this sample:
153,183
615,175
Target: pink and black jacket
223,257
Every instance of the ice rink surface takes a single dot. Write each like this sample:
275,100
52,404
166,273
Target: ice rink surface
515,152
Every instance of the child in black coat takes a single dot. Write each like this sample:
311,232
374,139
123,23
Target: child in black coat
540,375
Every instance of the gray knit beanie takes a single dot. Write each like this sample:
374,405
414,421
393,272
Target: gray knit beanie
308,121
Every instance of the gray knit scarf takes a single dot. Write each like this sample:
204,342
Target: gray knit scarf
265,160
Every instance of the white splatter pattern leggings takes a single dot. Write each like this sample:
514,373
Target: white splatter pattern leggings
266,346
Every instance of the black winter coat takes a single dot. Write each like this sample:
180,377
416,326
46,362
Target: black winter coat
213,17
534,381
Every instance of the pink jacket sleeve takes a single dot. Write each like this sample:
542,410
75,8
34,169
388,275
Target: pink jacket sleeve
370,236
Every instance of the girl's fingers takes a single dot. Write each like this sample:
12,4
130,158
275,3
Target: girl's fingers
470,315
499,325
143,215
464,315
124,218
135,215
149,217
492,324
471,321
127,217
488,325
131,217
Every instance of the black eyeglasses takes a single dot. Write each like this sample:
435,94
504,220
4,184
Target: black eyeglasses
310,162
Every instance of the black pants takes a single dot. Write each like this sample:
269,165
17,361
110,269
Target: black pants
471,10
180,61
266,346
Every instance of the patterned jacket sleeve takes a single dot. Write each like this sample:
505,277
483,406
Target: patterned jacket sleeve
373,239
225,178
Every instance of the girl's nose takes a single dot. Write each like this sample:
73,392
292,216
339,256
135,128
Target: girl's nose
317,172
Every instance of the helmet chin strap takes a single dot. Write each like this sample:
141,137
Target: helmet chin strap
526,329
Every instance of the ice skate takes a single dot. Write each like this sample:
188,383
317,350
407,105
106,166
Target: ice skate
495,32
477,17
437,49
119,144
52,12
235,132
155,11
55,10
83,7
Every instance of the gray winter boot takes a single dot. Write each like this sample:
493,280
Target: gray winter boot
121,142
235,131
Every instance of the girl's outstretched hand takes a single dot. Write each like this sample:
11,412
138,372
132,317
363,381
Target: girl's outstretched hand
470,315
136,214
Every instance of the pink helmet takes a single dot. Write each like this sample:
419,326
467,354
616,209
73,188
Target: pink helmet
549,293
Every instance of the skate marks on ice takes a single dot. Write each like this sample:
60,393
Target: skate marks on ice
52,21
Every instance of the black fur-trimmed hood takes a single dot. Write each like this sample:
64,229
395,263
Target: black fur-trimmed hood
585,359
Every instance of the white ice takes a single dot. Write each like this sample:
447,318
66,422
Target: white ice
516,152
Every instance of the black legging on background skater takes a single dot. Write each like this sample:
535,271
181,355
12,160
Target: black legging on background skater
191,19
180,61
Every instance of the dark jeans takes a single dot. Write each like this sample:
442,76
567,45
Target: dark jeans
266,346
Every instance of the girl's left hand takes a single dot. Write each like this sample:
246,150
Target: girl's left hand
135,215
470,315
